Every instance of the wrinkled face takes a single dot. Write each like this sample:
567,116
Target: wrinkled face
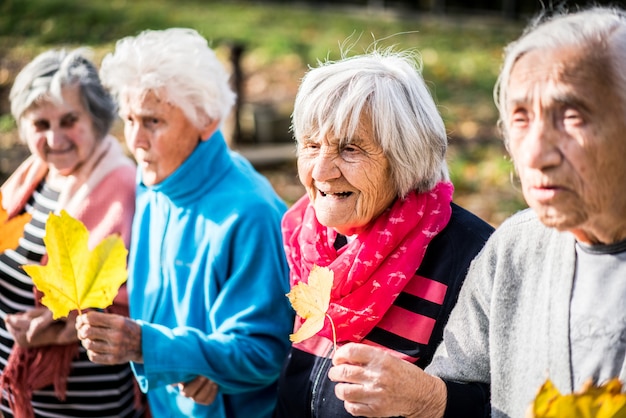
158,133
349,185
566,128
61,134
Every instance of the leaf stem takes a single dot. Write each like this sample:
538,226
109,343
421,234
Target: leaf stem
332,325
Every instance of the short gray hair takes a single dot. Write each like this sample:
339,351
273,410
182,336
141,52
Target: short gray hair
177,60
387,86
47,74
600,30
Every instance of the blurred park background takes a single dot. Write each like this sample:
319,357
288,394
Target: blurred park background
268,46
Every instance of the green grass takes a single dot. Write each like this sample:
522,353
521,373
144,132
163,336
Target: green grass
461,57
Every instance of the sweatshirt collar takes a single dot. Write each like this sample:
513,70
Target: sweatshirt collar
204,167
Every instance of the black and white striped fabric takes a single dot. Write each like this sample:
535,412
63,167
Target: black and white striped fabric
92,390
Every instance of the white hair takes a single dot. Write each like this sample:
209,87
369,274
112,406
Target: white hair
177,61
600,30
49,73
386,86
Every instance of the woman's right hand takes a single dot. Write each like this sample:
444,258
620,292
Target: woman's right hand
110,338
374,383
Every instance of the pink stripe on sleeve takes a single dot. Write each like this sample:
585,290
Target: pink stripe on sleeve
428,289
407,324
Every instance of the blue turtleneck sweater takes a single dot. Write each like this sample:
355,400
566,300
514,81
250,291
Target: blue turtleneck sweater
207,282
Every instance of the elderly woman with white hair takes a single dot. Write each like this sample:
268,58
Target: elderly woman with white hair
542,306
63,114
378,212
207,272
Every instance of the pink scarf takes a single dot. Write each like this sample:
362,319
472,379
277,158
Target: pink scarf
106,157
371,271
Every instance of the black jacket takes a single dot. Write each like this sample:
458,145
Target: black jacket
304,389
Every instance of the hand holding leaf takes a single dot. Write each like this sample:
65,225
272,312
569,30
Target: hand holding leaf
311,302
11,230
75,277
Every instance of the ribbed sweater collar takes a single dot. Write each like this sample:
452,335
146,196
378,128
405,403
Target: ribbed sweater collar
199,173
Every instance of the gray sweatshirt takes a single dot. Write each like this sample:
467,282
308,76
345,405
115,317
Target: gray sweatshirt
510,327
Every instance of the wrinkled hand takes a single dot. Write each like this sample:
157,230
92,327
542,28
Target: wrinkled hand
109,338
201,389
373,383
36,327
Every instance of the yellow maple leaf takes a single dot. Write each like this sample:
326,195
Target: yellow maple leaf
11,230
604,401
75,277
311,302
547,393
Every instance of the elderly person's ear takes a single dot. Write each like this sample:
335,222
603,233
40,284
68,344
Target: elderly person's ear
209,129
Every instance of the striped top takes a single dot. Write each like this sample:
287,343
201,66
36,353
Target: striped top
413,327
406,329
92,390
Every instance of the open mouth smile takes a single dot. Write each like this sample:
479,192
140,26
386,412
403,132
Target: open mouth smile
338,194
59,151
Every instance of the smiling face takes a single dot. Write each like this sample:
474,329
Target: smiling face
566,128
349,184
158,133
62,133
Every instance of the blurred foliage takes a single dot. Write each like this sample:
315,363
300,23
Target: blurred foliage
461,57
459,49
7,123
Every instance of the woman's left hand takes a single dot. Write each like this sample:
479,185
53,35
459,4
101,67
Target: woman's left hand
373,383
201,389
36,327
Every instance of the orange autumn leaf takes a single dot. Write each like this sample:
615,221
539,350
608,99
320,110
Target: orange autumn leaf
311,302
11,230
76,278
604,401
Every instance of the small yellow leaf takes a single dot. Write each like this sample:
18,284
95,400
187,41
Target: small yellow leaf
311,302
75,277
547,394
11,230
605,401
